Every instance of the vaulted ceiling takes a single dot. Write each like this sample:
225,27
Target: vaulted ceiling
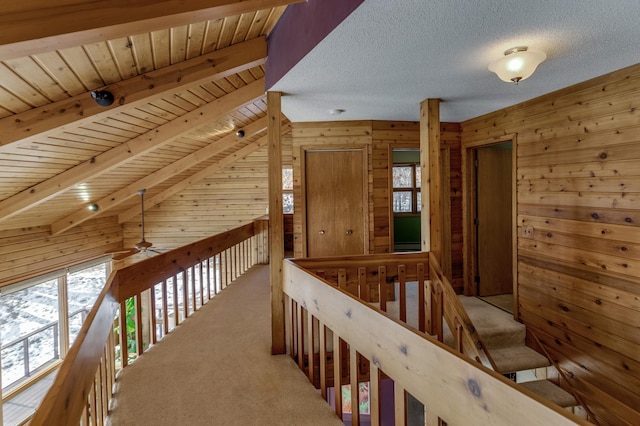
185,78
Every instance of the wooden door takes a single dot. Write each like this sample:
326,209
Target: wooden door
335,207
494,227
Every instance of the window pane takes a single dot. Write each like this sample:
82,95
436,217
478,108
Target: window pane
402,176
83,288
28,323
419,201
287,179
418,174
402,202
287,203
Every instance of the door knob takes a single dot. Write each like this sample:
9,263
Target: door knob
321,232
349,231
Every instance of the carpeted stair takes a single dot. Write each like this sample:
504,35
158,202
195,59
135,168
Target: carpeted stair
505,340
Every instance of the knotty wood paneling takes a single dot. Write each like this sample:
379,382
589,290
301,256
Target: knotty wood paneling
578,251
382,137
28,252
229,198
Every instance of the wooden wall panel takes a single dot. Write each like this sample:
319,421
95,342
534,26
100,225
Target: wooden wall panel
382,136
28,252
230,198
578,206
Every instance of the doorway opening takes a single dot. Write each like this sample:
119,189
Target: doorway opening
490,263
405,187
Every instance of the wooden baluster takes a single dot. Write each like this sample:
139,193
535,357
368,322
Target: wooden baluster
139,328
208,274
176,310
310,346
93,406
438,311
294,329
200,277
400,404
355,391
185,294
300,318
429,298
322,335
124,351
152,315
374,394
459,335
342,279
421,296
229,267
337,373
363,289
165,308
194,294
216,270
402,282
382,287
431,418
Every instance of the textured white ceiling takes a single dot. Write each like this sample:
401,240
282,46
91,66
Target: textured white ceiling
389,55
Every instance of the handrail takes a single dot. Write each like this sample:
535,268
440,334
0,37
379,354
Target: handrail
433,373
467,339
83,386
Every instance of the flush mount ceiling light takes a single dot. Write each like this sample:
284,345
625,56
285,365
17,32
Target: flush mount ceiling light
336,111
518,64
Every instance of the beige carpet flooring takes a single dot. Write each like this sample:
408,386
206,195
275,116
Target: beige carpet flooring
217,369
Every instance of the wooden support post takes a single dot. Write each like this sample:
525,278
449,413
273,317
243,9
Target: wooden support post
431,216
276,222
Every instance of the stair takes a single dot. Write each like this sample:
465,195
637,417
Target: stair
505,341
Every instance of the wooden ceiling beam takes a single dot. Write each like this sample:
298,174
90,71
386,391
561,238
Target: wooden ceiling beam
193,179
136,147
37,26
33,125
123,194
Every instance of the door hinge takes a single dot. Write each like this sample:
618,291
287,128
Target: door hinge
477,279
476,222
475,163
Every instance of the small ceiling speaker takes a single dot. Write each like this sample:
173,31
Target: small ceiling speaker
103,97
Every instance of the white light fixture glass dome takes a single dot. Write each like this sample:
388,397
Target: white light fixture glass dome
518,64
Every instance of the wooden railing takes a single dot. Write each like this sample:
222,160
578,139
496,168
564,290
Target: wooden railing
162,291
339,338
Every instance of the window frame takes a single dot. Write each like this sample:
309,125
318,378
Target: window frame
414,189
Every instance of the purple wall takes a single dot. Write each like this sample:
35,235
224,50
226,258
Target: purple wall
299,30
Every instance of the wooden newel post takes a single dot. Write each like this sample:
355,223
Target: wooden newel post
276,231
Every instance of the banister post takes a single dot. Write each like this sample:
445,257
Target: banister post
276,226
431,216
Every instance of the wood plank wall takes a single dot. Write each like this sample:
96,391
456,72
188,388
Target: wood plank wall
382,137
227,199
578,210
28,252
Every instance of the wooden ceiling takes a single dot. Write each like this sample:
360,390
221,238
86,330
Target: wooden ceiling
181,93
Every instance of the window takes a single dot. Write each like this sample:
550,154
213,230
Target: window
287,190
38,324
406,188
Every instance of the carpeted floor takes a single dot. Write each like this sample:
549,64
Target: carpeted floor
217,369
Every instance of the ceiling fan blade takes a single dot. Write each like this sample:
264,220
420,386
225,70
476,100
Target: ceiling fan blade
124,254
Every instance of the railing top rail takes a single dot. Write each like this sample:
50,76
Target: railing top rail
142,275
435,374
362,260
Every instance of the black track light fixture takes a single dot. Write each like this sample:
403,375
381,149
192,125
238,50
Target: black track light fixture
103,97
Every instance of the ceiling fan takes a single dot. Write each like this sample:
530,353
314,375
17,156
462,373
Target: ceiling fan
141,247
